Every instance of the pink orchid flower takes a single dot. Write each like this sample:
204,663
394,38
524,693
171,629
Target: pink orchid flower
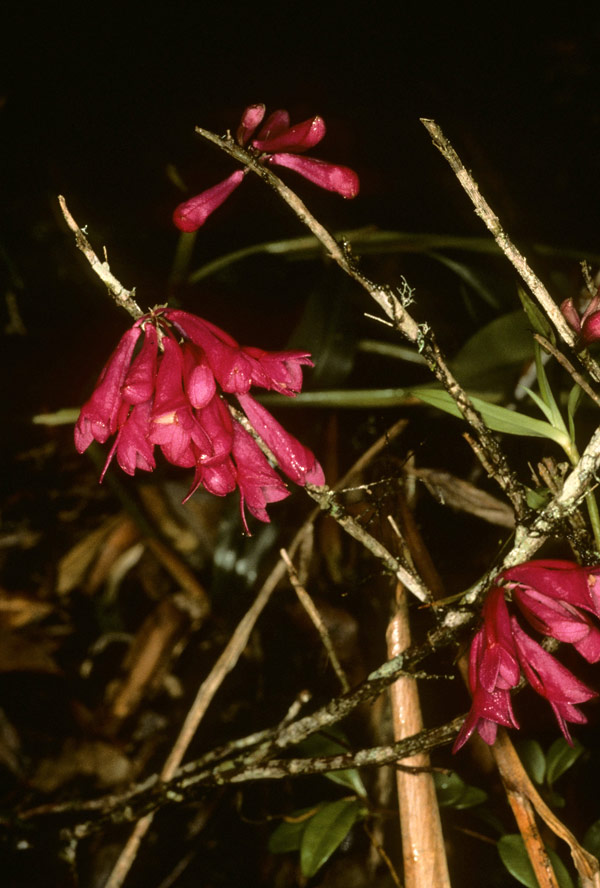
586,325
277,144
172,394
556,598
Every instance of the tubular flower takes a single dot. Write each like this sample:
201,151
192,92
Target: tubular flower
587,325
276,144
556,598
170,393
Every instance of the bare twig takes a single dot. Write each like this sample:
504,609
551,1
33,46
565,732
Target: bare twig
310,608
485,212
123,297
395,307
564,362
80,819
327,501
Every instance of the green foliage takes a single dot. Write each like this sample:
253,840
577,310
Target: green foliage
288,835
486,358
319,744
545,768
453,792
499,419
316,832
514,857
573,402
533,759
325,832
561,756
537,319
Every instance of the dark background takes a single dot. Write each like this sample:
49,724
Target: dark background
98,101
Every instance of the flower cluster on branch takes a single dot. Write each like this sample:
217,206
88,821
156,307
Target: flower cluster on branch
163,385
276,144
556,598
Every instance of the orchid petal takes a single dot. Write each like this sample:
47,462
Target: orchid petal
251,118
330,176
193,213
299,137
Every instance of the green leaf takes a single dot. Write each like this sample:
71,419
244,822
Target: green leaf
499,419
537,499
449,789
288,835
484,359
546,392
471,797
350,778
591,840
514,857
573,402
453,792
326,744
325,832
560,758
536,316
547,411
533,758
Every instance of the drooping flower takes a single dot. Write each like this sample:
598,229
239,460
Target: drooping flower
586,325
170,394
277,144
556,598
490,708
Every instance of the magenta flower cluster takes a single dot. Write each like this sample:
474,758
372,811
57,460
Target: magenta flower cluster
556,598
276,144
586,325
163,386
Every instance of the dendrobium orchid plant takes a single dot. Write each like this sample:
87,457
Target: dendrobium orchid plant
167,384
171,394
555,597
277,144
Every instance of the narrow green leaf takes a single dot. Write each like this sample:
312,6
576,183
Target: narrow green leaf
547,411
533,758
546,391
514,857
536,317
325,832
499,419
560,758
573,402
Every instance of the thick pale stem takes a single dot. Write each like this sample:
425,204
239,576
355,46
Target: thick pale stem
422,839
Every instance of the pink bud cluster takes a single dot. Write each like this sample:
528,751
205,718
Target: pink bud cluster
276,144
586,325
164,385
556,598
